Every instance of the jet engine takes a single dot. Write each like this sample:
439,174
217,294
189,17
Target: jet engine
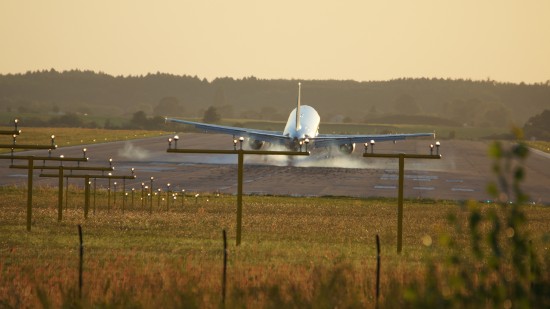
255,144
346,148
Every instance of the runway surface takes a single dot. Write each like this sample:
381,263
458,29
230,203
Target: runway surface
462,174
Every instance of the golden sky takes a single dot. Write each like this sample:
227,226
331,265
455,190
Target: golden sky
503,40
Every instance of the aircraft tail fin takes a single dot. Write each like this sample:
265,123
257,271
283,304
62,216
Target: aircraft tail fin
298,126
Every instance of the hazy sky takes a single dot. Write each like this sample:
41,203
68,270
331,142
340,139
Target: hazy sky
502,40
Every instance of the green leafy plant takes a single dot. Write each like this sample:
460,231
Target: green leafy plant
501,268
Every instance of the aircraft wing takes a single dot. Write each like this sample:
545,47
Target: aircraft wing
263,135
324,140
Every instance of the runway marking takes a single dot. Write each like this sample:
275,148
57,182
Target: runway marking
412,177
385,187
462,189
156,169
454,180
424,188
18,175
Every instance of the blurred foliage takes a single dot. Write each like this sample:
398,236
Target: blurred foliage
501,268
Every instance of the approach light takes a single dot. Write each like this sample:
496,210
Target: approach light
110,162
431,149
169,143
372,142
437,144
235,144
366,147
133,171
84,152
176,138
241,140
14,137
307,142
15,121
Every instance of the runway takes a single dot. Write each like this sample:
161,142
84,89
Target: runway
463,173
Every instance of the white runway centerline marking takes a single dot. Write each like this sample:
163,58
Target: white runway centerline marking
385,187
424,188
462,189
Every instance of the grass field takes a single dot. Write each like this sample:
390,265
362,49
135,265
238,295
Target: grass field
73,136
540,145
296,252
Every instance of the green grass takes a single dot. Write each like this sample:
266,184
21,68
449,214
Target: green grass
73,136
297,252
540,145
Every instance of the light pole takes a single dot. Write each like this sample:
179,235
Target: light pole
167,196
401,157
142,194
151,194
114,195
159,196
182,196
133,191
109,193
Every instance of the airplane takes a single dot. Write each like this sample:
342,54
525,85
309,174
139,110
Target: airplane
302,128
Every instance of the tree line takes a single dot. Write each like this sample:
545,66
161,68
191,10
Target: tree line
463,102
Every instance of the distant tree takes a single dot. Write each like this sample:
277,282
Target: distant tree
70,120
538,126
406,104
498,117
219,97
373,112
211,115
270,113
139,120
168,106
226,111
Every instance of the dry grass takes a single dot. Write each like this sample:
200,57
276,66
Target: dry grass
297,252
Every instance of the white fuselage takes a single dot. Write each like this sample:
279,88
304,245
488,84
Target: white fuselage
308,123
